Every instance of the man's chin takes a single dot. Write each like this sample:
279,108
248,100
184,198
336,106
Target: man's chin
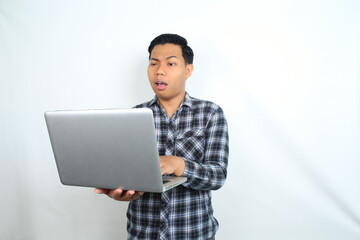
166,96
163,96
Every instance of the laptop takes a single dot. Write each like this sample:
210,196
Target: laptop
108,148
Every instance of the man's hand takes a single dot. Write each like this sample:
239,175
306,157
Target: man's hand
119,194
172,164
169,165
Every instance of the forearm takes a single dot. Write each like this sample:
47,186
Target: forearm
207,176
209,171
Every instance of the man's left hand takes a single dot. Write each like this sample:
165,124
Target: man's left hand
172,165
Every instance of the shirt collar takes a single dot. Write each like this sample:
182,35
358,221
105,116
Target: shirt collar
153,101
186,101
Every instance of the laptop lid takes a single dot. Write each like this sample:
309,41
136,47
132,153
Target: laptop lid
109,148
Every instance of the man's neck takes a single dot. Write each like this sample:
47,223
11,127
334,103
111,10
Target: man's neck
171,105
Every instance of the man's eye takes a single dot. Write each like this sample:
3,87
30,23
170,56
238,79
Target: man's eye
171,64
152,64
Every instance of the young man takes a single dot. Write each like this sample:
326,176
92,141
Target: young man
193,142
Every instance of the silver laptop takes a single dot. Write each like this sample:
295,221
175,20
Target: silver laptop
110,148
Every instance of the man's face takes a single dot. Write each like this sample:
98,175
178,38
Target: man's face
167,71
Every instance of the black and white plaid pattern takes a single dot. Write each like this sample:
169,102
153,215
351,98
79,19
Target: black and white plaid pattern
198,133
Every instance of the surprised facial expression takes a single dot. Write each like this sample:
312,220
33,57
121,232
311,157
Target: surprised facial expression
167,71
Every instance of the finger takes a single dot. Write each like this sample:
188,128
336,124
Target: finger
100,190
120,195
166,170
127,196
137,195
115,193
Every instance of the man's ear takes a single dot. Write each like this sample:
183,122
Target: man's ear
189,69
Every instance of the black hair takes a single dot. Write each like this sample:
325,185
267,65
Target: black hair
162,39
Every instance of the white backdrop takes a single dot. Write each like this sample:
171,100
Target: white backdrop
285,72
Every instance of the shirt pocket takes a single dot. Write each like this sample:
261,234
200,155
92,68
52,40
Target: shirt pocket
191,144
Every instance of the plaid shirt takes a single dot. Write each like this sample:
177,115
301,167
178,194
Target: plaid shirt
197,132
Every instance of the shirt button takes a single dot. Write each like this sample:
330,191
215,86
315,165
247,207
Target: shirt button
163,204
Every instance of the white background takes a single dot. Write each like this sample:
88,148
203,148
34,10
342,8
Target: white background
286,74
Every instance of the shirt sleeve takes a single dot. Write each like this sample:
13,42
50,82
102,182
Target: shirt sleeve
211,173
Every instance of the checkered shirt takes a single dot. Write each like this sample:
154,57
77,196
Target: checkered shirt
197,132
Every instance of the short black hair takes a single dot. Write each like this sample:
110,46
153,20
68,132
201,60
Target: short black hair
163,39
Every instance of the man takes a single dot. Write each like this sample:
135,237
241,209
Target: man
193,142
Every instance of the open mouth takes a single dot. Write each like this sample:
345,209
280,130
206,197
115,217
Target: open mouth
160,85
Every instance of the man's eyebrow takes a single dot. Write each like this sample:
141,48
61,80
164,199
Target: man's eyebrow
155,59
171,57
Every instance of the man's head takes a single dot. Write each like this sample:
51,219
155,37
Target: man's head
170,64
163,39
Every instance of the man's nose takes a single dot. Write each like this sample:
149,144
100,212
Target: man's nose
160,70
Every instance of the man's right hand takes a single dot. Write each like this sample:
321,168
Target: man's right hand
119,194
